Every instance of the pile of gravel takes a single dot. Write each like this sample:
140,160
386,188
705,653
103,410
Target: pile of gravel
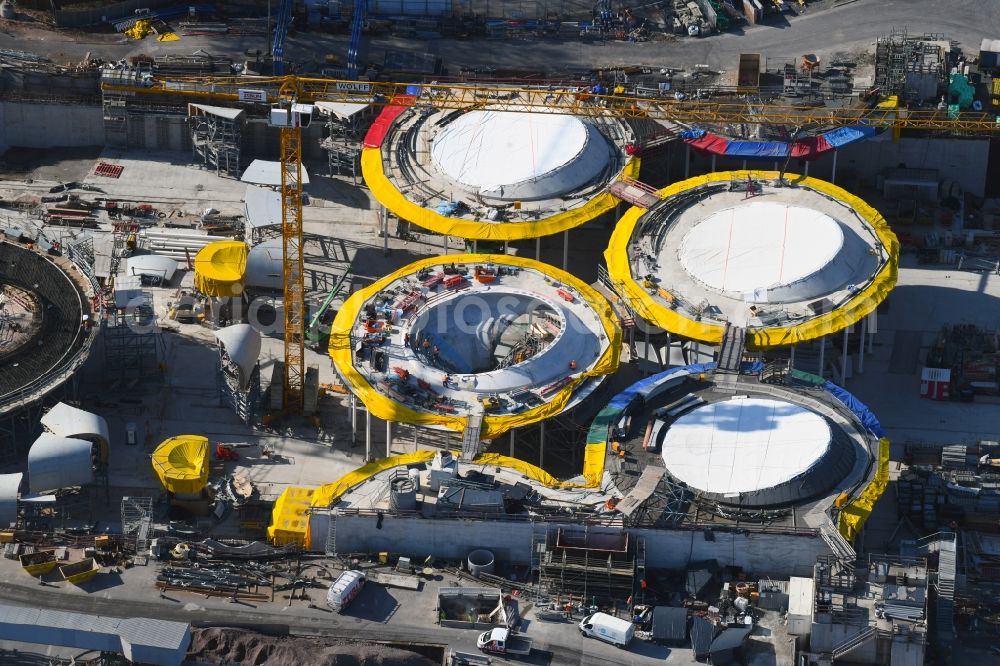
225,646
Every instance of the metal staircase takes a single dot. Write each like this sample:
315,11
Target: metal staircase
854,642
731,352
945,545
470,437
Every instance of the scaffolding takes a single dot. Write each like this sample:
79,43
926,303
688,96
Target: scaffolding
216,136
587,565
243,401
137,521
910,67
131,340
346,125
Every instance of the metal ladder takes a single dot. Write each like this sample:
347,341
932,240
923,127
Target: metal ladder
331,535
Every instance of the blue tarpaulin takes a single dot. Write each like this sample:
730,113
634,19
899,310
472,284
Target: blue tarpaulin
845,135
634,396
859,408
758,149
693,133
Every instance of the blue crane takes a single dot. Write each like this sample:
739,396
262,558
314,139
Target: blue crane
357,23
280,32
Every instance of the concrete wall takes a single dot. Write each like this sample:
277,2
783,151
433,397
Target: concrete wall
762,554
776,554
158,132
50,125
446,539
961,160
111,11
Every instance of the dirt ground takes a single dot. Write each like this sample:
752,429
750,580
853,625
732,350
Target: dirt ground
224,646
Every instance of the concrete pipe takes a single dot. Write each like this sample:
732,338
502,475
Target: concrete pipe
481,561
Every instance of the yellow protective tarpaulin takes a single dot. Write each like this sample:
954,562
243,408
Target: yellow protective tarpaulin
181,463
290,517
660,314
331,492
219,268
854,515
493,426
594,457
387,195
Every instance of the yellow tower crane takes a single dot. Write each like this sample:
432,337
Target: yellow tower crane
292,97
290,117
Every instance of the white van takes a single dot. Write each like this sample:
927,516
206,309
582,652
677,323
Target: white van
344,589
607,628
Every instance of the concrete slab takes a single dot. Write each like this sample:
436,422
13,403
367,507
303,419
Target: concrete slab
925,300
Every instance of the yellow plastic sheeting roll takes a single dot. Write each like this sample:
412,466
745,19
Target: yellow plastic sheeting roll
290,517
219,268
387,195
181,463
659,314
388,409
854,515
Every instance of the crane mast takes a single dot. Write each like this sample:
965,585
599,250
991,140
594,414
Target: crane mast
290,123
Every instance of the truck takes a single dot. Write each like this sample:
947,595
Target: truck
502,641
607,628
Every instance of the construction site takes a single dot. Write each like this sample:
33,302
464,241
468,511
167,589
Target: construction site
307,358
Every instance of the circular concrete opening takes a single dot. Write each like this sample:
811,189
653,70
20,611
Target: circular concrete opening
481,332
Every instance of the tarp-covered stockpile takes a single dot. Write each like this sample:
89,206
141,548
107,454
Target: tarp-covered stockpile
659,313
219,268
384,407
181,463
429,218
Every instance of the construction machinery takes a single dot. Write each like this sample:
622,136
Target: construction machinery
291,97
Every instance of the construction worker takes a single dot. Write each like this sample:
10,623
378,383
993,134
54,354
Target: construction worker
427,344
572,364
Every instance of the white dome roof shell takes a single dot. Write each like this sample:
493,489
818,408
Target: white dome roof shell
264,267
513,155
59,462
242,343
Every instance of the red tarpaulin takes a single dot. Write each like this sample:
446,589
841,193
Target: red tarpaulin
711,143
378,130
811,148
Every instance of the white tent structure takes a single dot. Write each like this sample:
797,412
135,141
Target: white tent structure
59,462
